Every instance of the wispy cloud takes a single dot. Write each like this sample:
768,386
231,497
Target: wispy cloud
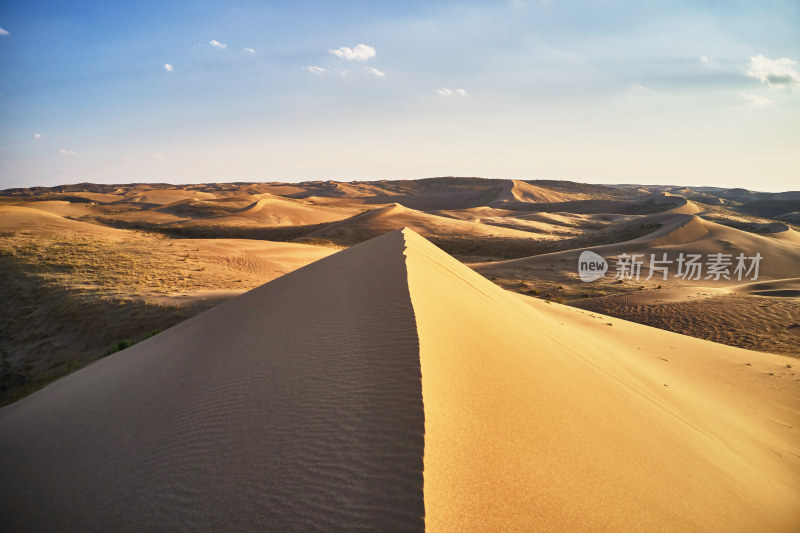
315,70
755,100
375,72
4,32
361,52
38,136
706,59
249,50
66,153
217,44
167,67
451,92
774,72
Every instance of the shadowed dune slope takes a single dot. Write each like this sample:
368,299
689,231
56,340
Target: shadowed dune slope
300,405
296,405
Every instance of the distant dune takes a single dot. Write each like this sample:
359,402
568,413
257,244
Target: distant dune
27,219
515,192
390,387
676,233
167,196
382,220
184,244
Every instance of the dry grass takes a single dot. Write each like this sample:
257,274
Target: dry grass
69,298
53,326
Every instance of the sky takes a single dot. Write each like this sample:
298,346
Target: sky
699,92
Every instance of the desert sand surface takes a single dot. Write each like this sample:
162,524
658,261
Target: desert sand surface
676,233
389,386
92,267
271,211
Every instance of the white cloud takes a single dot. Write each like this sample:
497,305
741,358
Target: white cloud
706,59
451,92
4,32
167,67
249,50
217,44
361,52
375,72
66,153
774,72
755,100
315,70
38,136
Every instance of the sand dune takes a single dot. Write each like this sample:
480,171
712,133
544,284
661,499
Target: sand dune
36,221
678,233
274,211
281,189
395,216
168,196
96,196
784,233
426,194
682,205
780,287
515,191
535,222
62,208
390,387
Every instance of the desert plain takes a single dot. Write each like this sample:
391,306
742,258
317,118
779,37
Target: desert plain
399,355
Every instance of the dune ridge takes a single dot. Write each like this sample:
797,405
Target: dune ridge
388,386
519,192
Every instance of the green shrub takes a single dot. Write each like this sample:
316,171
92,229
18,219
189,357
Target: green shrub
121,345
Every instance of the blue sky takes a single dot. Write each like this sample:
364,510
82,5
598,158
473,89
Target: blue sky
694,92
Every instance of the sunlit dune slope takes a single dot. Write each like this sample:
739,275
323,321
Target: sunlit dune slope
36,221
392,217
274,211
679,233
515,192
168,196
540,417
